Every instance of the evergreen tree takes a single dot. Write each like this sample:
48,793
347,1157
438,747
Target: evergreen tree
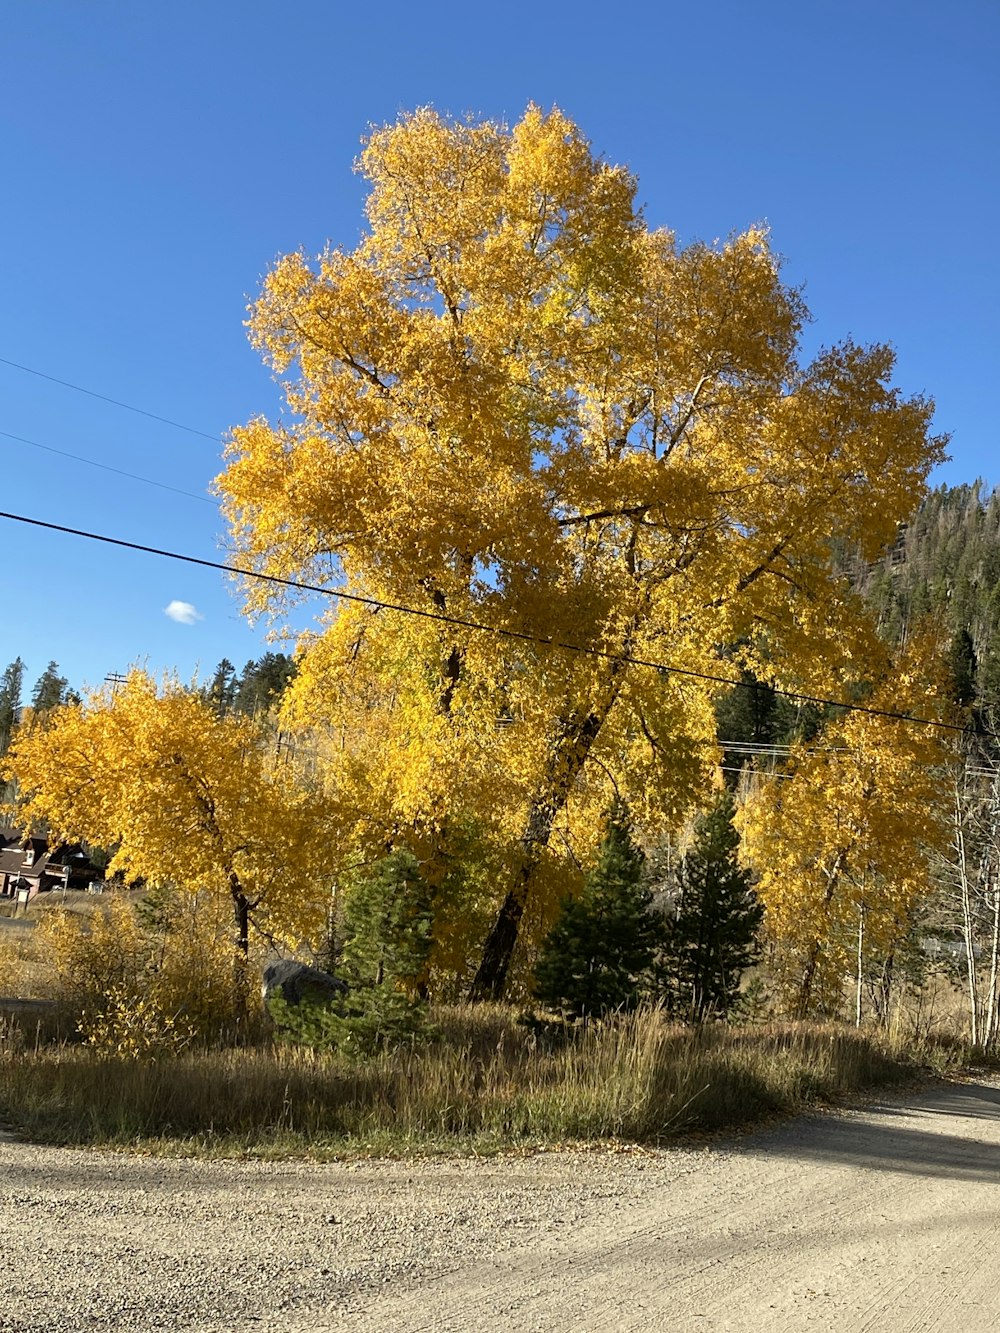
262,683
962,668
989,672
747,714
383,959
50,690
713,936
387,927
947,561
221,693
597,954
10,701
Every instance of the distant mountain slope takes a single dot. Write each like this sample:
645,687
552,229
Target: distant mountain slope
946,560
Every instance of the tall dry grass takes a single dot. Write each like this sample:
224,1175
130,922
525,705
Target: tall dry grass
485,1084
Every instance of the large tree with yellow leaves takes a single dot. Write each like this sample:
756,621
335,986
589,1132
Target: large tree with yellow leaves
517,404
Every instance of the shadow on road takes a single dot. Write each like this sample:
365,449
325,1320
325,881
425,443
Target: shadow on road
890,1138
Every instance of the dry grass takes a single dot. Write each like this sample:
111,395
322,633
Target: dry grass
486,1084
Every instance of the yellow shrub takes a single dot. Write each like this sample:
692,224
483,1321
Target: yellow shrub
12,964
132,1027
197,963
143,978
110,952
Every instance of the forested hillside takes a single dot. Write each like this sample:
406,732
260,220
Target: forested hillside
947,560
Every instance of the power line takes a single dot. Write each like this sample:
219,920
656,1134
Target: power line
522,635
370,601
106,467
116,402
757,773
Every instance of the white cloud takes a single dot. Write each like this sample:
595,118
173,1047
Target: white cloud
183,612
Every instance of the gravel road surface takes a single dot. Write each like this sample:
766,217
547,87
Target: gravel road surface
886,1219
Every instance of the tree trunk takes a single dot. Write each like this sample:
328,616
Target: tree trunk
808,976
883,997
967,924
241,965
816,947
567,759
993,834
989,1036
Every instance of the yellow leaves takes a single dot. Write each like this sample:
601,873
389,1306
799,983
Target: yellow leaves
186,797
514,403
133,1027
435,188
143,979
847,825
90,959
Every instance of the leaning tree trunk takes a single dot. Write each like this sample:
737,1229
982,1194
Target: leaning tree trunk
568,756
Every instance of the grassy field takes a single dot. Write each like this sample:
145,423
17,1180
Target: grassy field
485,1084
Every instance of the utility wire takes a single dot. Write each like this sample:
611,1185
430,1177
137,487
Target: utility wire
106,467
440,616
370,601
116,402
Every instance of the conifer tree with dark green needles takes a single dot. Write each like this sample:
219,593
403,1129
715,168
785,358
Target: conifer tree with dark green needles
10,701
712,939
383,956
597,956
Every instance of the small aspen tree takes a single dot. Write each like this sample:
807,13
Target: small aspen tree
840,835
187,798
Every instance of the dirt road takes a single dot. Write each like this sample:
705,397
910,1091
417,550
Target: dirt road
884,1219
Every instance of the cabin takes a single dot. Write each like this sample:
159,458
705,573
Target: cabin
28,866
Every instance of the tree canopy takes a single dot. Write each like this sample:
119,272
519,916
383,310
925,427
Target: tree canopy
516,403
10,701
840,835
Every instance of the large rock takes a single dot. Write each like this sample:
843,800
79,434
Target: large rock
295,982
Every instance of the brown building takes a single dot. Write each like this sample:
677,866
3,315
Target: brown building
28,866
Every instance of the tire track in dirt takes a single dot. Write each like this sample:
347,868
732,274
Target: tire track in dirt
901,1239
886,1218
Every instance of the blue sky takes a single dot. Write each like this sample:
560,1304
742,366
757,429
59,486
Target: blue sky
157,158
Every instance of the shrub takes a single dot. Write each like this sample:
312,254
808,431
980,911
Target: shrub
171,962
132,1027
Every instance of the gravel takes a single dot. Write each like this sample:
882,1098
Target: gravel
109,1241
879,1218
